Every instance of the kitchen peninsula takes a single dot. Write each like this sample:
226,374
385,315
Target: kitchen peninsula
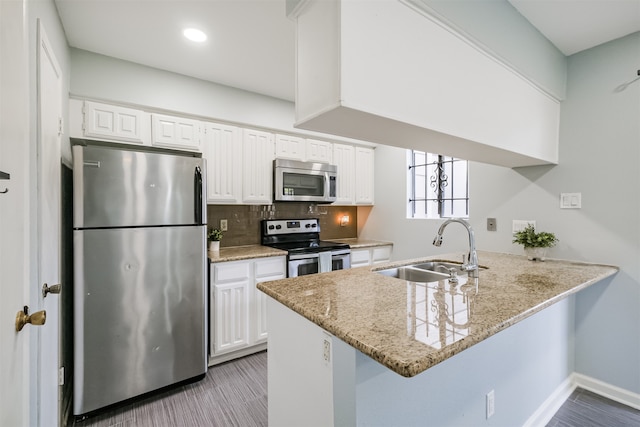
355,347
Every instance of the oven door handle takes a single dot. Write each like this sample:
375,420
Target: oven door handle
303,256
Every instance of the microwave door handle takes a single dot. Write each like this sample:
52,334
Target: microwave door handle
327,185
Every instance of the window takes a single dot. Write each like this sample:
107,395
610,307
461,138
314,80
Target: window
438,186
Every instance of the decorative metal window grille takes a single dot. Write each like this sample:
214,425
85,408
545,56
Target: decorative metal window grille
438,186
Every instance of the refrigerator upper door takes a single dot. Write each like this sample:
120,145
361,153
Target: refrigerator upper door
126,188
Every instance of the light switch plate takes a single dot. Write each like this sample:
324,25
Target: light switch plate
570,200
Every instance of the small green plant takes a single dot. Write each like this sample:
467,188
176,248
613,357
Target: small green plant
530,239
214,234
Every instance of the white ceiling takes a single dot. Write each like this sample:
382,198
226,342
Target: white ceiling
251,42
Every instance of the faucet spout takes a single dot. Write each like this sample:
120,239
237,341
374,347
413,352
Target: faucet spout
470,263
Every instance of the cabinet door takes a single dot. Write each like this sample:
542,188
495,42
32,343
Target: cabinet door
222,149
343,158
265,270
257,167
364,176
360,257
231,285
319,151
113,122
175,132
290,147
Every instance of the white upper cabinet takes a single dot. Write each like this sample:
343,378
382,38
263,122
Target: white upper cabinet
290,147
258,152
396,75
175,132
344,159
110,122
319,151
222,149
364,176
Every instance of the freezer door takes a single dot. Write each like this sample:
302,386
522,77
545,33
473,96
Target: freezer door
123,188
140,308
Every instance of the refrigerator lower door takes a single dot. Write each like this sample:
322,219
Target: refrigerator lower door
140,311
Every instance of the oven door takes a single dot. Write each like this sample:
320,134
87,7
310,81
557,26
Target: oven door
303,264
341,260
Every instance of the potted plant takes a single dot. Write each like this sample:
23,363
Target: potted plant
214,236
535,244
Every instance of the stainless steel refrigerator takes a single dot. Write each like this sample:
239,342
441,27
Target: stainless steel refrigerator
139,273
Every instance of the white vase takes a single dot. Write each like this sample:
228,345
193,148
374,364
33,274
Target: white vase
536,254
214,245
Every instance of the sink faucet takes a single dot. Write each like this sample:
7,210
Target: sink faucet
470,261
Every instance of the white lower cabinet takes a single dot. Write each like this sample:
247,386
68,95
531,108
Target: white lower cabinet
371,256
230,323
238,323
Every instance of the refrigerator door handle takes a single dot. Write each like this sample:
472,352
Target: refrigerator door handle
198,195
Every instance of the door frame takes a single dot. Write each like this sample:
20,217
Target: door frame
48,207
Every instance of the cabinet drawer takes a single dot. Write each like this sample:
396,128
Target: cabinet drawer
381,254
231,271
360,257
270,267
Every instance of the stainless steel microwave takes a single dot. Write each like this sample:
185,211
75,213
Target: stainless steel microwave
295,181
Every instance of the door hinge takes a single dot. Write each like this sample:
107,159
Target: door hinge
60,126
61,375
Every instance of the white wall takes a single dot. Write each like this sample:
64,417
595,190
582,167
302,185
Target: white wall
599,157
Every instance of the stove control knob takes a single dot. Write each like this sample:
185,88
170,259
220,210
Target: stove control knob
308,226
271,227
313,225
278,227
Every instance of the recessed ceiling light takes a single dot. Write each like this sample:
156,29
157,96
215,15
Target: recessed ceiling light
195,35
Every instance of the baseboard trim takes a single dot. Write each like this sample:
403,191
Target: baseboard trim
609,391
550,406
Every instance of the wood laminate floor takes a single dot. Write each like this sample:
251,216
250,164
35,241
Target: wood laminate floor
235,394
586,409
232,394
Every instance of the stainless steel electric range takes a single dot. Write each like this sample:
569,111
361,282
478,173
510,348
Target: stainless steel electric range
306,253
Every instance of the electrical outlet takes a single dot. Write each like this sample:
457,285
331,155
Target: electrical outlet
326,351
223,225
520,224
491,404
492,224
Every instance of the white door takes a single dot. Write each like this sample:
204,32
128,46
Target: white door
16,408
49,183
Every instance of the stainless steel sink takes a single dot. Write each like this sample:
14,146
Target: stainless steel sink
432,271
439,266
413,274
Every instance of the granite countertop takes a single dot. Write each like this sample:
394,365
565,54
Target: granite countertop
410,327
238,253
356,243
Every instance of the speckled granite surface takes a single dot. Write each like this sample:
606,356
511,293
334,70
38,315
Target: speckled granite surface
356,243
410,327
237,253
